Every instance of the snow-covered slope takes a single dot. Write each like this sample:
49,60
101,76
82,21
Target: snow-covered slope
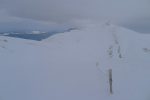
74,65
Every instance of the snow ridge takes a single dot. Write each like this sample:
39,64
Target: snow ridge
74,65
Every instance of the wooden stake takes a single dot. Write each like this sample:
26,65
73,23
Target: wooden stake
110,81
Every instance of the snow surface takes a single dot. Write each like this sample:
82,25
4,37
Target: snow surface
74,65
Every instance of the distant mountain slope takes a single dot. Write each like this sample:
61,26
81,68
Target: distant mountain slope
74,65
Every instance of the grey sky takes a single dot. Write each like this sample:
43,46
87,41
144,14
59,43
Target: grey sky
124,12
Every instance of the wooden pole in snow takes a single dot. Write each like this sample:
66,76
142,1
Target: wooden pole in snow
110,81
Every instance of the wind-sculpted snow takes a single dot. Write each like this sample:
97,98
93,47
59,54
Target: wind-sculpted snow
74,65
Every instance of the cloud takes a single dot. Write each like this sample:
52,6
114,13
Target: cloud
18,24
140,24
64,11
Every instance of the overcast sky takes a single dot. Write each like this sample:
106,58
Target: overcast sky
134,14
